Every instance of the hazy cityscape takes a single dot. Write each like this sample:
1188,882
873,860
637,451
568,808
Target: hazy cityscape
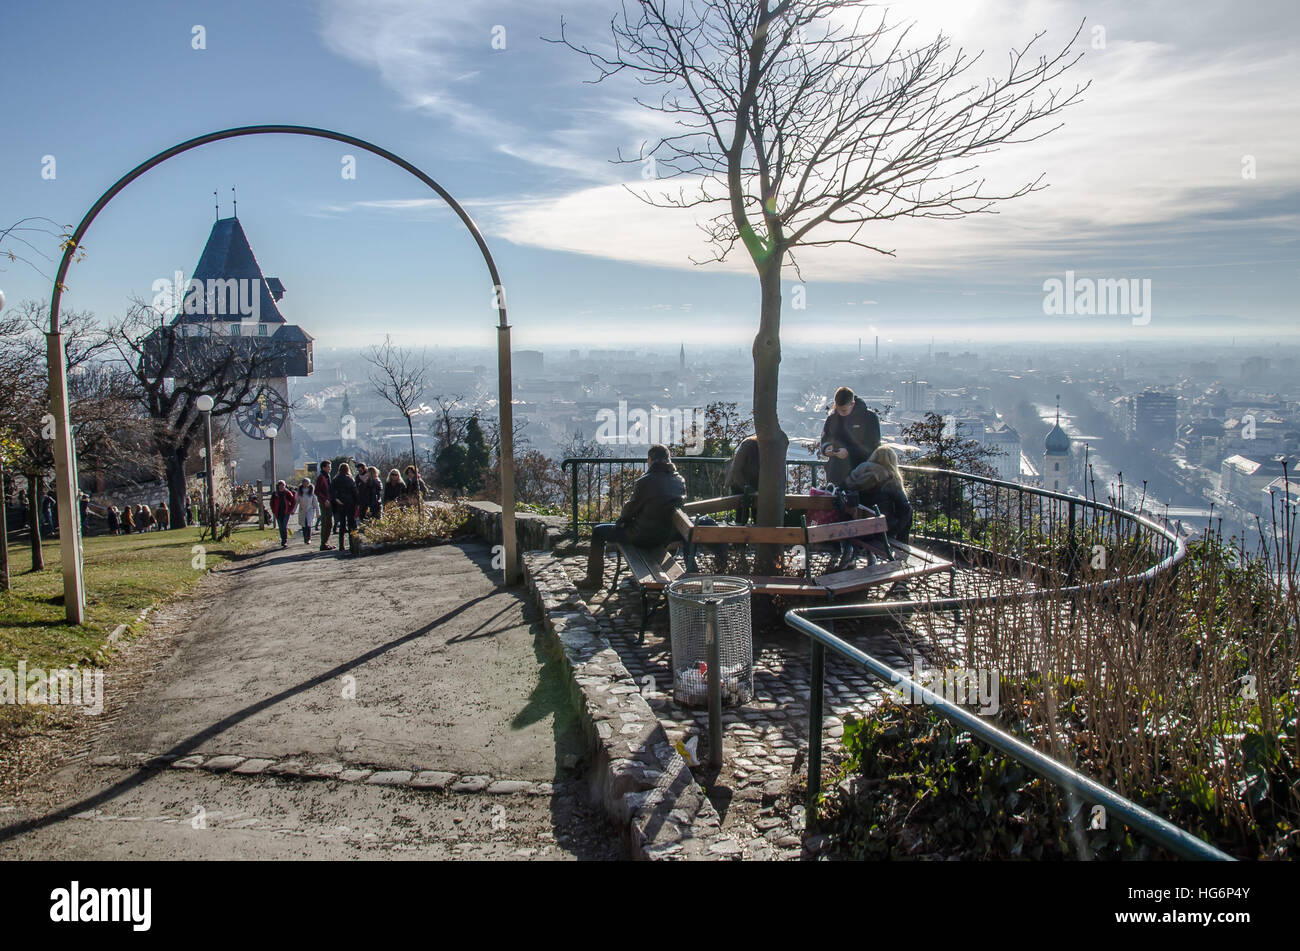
1195,433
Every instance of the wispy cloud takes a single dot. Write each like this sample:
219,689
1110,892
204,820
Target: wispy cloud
1150,160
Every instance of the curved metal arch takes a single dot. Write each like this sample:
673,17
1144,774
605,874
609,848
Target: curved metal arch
65,468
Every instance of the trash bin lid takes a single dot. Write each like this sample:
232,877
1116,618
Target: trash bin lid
710,587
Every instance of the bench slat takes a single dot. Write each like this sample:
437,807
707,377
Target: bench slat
875,525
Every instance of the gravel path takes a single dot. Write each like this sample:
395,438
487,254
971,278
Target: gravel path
302,705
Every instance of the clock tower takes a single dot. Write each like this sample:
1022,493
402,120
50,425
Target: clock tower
229,303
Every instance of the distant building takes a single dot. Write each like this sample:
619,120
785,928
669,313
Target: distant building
1279,511
1241,480
1155,418
1005,441
239,310
1056,457
915,395
528,362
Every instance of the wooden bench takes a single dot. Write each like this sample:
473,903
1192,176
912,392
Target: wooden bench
653,569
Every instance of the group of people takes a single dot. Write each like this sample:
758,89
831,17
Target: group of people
138,518
141,518
341,501
855,462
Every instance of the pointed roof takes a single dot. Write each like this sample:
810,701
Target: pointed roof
1057,441
226,256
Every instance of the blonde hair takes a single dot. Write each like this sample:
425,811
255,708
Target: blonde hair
393,472
886,457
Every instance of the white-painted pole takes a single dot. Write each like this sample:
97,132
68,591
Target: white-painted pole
65,476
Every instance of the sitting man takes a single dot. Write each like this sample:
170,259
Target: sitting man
646,519
741,477
850,435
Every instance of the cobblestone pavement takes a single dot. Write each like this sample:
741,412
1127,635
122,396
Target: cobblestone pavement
759,789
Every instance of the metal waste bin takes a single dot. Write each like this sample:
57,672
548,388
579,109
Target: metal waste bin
689,602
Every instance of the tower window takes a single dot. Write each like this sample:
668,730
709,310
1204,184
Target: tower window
234,330
261,330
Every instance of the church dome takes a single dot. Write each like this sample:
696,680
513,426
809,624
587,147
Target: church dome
1057,442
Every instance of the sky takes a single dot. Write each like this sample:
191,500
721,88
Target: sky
1180,167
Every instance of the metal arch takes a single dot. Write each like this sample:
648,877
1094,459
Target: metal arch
73,587
185,146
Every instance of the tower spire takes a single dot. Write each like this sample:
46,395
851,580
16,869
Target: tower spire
235,201
1058,409
216,203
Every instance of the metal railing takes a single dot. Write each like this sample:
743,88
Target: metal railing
989,517
986,517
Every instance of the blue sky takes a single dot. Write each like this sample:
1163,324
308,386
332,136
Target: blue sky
1145,176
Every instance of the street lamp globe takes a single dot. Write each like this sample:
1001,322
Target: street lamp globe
205,403
271,432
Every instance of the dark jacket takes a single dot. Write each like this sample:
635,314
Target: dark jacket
283,502
372,498
323,490
858,432
343,494
891,499
416,488
394,491
647,515
742,470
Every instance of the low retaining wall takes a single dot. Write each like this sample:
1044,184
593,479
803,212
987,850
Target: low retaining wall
533,532
643,784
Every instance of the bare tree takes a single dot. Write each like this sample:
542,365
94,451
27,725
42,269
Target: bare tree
447,428
399,376
805,121
170,370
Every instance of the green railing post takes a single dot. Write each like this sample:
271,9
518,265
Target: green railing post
816,695
574,489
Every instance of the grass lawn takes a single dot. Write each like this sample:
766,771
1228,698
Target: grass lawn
124,575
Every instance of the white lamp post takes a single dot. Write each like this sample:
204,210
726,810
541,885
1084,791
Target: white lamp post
271,433
205,404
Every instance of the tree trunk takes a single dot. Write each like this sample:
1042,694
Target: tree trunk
34,520
4,532
177,502
772,441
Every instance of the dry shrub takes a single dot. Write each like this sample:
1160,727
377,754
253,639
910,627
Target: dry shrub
403,524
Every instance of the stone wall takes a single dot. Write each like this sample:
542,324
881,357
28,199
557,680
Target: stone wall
533,532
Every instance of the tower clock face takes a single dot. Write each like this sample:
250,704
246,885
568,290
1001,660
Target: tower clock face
270,409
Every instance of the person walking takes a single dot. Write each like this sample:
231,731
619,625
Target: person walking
308,510
114,521
143,518
283,502
162,516
128,520
394,488
324,499
343,496
83,511
50,513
